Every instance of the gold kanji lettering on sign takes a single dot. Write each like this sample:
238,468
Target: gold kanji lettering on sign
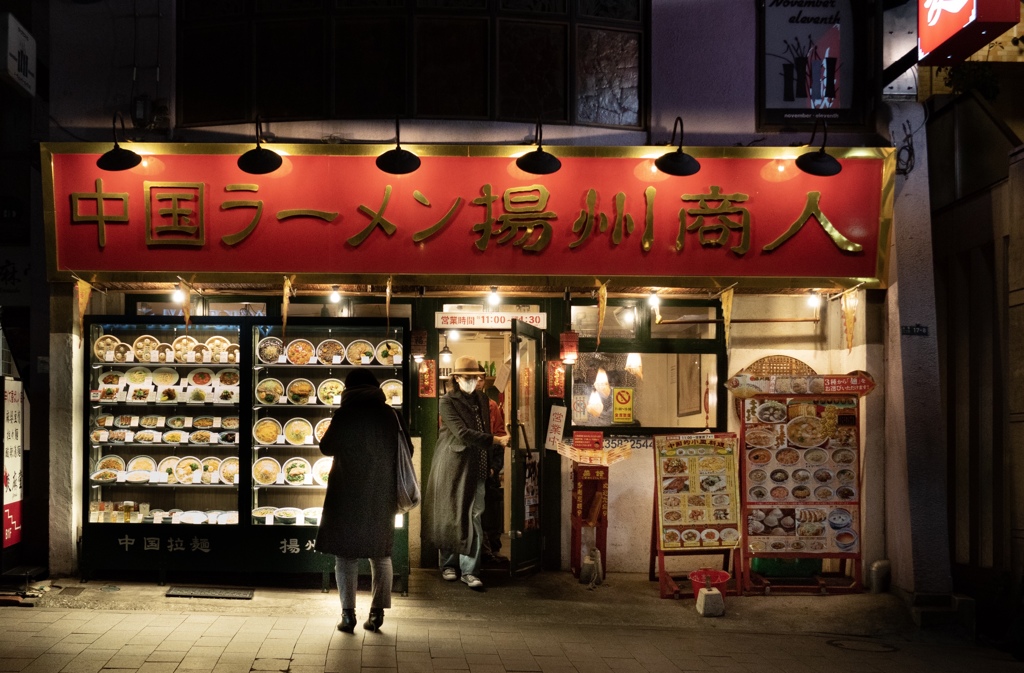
715,233
485,228
524,213
101,218
238,237
812,208
377,219
169,219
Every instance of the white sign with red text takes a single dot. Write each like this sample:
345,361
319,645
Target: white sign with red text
13,461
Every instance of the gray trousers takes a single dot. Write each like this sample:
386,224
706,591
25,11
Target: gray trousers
346,571
469,565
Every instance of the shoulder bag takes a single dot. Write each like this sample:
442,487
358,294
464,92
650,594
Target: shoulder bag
408,487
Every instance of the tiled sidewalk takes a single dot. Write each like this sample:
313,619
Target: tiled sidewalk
46,640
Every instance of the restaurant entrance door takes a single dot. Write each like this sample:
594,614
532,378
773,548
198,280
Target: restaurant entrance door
527,362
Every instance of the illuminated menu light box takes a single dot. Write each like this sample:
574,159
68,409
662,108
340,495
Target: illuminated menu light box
948,31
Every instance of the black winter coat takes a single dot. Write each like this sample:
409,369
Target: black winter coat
359,510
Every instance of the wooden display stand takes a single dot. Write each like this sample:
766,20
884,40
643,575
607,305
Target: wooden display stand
590,510
668,584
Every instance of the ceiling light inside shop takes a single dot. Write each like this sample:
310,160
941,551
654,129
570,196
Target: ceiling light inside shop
178,296
654,300
494,298
452,334
335,295
814,300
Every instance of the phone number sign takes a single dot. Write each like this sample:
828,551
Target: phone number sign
488,320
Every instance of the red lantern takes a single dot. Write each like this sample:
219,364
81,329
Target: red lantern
569,346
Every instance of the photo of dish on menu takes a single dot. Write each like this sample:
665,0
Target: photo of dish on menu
801,474
697,498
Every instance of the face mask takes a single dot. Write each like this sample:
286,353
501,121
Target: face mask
467,385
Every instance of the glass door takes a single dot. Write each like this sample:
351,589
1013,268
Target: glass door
527,443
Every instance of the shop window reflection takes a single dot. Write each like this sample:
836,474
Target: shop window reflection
685,322
668,389
619,322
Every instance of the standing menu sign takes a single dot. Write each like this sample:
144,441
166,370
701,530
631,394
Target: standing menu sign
697,504
801,475
13,461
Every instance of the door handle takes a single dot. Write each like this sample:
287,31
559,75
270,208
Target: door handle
515,534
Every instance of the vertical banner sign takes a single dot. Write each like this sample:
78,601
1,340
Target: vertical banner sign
427,375
13,463
556,427
807,64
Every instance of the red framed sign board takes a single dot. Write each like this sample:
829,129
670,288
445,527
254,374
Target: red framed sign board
608,211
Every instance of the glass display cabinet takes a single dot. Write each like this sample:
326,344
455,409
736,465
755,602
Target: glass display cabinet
201,444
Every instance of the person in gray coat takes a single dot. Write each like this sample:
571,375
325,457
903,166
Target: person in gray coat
458,472
358,519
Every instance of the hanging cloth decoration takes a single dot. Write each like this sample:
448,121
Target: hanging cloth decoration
849,306
387,306
83,291
287,293
602,306
186,307
727,313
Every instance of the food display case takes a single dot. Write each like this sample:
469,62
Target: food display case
201,444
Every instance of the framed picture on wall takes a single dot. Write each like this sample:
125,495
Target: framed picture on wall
689,392
815,61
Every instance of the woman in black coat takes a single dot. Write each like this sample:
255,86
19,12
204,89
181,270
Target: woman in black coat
359,510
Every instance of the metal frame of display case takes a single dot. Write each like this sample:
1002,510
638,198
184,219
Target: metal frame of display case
248,546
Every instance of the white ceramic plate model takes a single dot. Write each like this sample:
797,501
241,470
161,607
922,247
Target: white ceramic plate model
137,477
202,422
312,515
110,462
193,517
265,471
227,519
200,437
167,395
137,375
327,349
229,422
167,466
299,391
297,430
269,350
103,476
199,395
111,378
287,515
210,465
149,421
322,470
182,346
260,514
269,391
144,347
392,392
321,428
300,351
329,391
295,471
228,469
200,377
357,350
387,350
105,421
141,463
103,345
229,437
176,422
185,468
266,431
228,377
217,345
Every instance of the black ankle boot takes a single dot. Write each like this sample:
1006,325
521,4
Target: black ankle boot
375,619
348,621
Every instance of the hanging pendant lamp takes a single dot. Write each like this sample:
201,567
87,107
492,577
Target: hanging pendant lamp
539,162
819,162
259,161
679,162
118,158
398,161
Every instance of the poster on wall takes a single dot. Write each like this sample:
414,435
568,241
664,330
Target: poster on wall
531,493
13,461
809,68
696,482
801,474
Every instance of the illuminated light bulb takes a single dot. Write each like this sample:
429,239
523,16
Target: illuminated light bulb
654,300
601,384
178,296
634,365
335,295
494,298
814,300
594,405
453,334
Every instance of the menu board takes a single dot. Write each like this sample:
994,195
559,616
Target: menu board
697,504
801,474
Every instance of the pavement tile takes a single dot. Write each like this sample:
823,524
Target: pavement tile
449,663
312,646
378,656
302,669
420,667
624,665
163,656
213,641
67,648
48,663
158,667
14,664
271,664
476,658
120,660
275,649
222,667
342,661
237,658
309,659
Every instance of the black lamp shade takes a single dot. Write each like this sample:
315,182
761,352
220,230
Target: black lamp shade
677,163
118,159
818,163
538,162
398,161
259,161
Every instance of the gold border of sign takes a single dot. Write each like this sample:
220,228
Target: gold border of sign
887,154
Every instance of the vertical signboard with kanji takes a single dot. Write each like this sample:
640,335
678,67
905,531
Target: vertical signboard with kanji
13,462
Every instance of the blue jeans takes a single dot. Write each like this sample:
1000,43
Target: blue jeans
469,565
346,571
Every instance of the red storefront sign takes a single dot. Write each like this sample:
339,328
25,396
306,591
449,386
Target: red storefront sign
948,31
745,214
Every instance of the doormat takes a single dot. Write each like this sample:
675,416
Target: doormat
72,591
209,592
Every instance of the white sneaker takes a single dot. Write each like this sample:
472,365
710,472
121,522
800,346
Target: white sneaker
472,581
449,574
